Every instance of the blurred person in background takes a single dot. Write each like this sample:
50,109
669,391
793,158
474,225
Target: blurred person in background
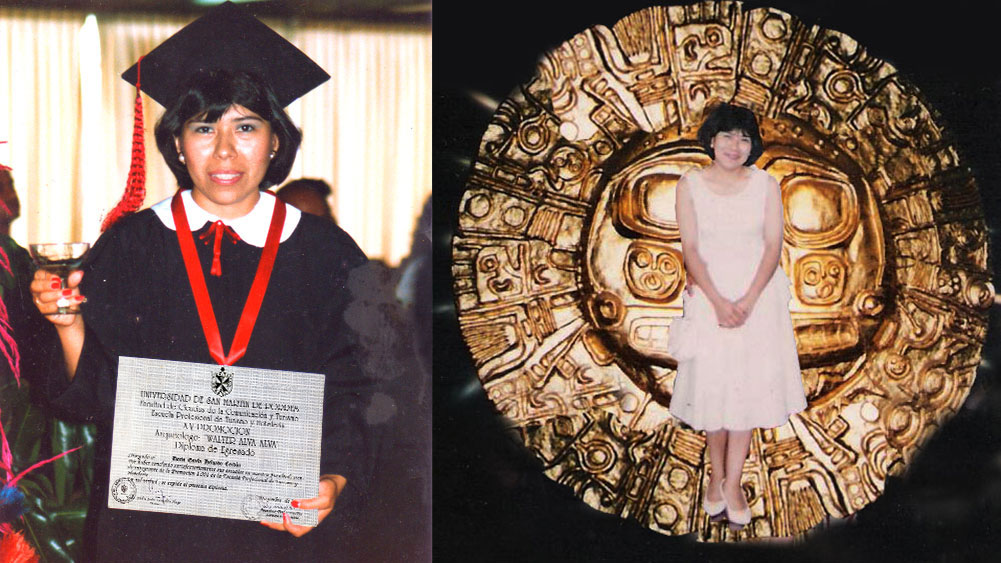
10,206
18,319
33,433
309,196
390,311
15,274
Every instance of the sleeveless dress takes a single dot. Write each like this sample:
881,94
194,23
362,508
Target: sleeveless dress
745,377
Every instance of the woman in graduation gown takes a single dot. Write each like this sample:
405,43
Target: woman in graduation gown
226,137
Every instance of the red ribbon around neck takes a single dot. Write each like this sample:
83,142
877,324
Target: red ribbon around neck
219,230
196,278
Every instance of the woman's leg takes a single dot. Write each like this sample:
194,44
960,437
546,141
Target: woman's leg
717,460
738,444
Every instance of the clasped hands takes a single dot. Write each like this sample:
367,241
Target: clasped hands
730,314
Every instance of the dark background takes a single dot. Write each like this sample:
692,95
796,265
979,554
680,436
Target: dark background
491,501
383,11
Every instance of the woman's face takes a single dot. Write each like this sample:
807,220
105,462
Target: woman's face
732,148
227,160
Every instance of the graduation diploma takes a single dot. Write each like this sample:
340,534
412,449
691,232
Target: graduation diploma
219,441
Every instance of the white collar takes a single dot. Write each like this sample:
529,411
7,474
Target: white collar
252,227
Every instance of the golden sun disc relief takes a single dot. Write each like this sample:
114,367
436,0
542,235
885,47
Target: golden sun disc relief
568,270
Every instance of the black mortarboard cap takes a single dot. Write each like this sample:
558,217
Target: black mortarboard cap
227,37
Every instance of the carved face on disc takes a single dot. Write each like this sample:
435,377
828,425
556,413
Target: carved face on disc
833,251
568,268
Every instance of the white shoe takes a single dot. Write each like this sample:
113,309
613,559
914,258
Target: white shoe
737,518
715,508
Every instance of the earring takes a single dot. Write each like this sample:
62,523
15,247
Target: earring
181,158
272,155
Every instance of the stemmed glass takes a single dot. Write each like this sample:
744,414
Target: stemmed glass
60,258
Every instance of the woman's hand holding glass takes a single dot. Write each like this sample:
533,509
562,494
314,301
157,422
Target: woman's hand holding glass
50,294
59,259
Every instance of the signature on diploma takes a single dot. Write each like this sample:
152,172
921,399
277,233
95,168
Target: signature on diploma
159,498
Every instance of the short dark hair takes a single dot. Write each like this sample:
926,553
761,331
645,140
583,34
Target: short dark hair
207,95
728,117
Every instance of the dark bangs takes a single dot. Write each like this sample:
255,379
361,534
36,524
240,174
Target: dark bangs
727,117
205,97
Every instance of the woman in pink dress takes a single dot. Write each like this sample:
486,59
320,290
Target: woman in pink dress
739,369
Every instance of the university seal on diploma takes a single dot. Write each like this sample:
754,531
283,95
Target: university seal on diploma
220,441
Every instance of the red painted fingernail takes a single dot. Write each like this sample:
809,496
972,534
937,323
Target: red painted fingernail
56,284
295,504
286,518
67,292
79,298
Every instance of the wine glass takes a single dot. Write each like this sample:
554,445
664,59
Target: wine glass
60,258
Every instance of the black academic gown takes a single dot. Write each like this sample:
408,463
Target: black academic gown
140,304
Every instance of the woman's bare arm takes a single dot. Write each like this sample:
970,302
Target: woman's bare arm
773,248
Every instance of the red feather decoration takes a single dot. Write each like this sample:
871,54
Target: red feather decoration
15,549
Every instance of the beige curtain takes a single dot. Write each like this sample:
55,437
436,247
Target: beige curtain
40,119
122,40
68,118
368,129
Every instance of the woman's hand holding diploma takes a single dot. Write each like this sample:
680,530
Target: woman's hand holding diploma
330,488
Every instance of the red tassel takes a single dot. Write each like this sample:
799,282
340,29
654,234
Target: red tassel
135,188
